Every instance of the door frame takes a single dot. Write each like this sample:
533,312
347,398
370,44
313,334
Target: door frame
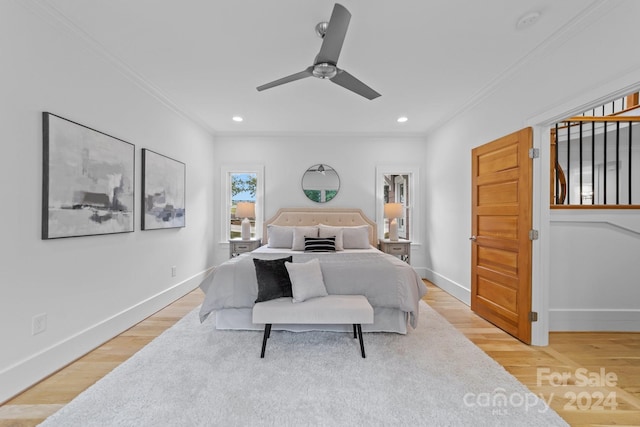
540,221
541,216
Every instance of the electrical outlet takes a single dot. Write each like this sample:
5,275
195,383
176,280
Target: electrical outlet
174,270
39,323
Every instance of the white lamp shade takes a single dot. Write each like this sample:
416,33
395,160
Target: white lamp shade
245,210
393,210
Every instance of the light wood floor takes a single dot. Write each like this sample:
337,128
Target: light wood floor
615,353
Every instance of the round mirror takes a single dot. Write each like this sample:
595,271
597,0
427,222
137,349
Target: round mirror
320,183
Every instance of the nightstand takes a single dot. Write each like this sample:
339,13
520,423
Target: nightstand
238,246
400,248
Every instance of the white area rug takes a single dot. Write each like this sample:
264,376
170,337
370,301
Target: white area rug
194,375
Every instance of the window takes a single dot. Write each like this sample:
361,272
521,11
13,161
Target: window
241,184
397,184
395,191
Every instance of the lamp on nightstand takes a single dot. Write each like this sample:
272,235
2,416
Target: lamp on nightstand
245,210
393,211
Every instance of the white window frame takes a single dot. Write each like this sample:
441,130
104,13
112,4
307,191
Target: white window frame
412,210
400,185
225,193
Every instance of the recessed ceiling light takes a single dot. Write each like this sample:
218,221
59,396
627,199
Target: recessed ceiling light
527,20
237,119
402,119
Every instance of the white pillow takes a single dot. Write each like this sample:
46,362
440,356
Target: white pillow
299,233
306,280
356,237
279,236
330,231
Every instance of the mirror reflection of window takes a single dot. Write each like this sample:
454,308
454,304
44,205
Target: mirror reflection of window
396,190
320,183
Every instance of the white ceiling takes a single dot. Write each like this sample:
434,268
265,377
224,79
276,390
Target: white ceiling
429,59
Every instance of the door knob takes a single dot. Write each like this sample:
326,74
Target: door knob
472,238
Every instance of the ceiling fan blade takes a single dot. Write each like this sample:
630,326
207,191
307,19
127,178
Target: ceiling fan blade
347,81
334,37
293,77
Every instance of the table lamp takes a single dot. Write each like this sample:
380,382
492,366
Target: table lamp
393,211
245,210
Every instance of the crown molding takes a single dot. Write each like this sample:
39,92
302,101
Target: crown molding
578,23
604,91
362,135
53,15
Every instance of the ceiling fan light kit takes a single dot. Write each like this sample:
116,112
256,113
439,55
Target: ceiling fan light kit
325,66
325,71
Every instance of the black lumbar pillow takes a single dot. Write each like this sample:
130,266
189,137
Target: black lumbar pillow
273,278
320,244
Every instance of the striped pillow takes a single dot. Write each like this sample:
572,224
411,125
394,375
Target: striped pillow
320,244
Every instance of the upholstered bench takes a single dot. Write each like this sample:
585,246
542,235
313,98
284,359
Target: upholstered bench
330,309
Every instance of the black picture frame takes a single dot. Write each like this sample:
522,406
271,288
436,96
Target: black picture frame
163,191
88,181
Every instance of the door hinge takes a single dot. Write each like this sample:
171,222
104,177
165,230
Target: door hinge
533,234
534,153
533,316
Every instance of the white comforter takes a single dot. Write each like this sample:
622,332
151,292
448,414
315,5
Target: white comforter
385,280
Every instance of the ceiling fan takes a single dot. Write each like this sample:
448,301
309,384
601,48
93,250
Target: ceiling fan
325,64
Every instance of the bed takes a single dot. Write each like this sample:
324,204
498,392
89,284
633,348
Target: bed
392,286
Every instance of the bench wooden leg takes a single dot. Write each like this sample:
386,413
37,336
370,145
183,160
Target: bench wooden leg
361,343
267,334
354,331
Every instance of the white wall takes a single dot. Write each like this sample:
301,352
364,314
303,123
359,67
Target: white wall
286,158
600,291
91,288
549,84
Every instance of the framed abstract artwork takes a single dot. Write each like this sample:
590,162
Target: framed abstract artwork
87,181
163,191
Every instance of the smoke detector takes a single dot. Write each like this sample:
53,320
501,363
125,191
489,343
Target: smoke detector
527,20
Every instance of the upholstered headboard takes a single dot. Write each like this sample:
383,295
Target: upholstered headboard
339,217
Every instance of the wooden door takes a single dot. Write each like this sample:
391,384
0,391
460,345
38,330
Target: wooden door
501,221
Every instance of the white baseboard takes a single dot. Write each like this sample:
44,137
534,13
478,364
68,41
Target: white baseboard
570,320
582,320
453,288
24,374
